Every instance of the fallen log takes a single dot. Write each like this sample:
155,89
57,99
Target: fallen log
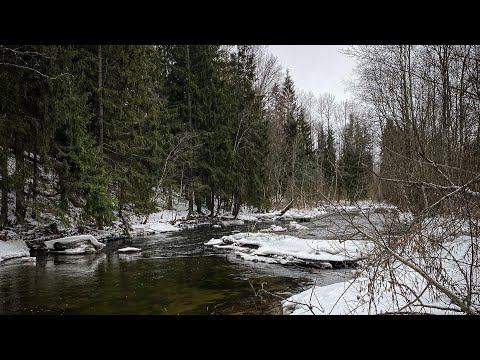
286,208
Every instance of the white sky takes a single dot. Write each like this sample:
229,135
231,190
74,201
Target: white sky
316,68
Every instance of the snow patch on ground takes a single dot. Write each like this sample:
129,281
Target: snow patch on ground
233,222
162,227
354,297
13,249
311,213
267,216
247,217
306,214
296,226
214,242
152,228
274,228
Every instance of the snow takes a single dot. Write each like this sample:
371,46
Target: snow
13,249
358,296
267,216
364,205
330,299
296,226
247,217
159,222
285,249
274,228
308,214
129,249
165,216
214,242
78,250
293,214
152,228
72,239
232,222
161,227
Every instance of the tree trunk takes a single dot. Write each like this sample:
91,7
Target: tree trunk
20,208
189,96
212,203
120,202
190,202
100,99
286,208
169,199
198,202
236,208
219,203
4,185
63,188
35,180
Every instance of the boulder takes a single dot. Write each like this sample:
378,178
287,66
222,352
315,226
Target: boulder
74,244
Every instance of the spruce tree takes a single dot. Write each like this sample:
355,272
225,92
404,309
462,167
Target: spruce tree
356,160
330,158
134,121
249,134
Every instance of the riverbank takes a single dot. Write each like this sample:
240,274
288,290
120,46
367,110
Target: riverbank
295,252
432,269
46,227
13,249
438,274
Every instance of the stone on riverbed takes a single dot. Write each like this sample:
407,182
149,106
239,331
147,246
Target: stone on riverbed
80,244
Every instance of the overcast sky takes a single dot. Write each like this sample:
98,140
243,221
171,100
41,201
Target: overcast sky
319,68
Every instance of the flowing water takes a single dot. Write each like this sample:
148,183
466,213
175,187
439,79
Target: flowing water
173,274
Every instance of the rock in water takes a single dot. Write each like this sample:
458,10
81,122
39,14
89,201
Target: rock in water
71,242
59,246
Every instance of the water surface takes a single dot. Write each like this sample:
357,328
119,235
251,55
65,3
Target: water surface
173,274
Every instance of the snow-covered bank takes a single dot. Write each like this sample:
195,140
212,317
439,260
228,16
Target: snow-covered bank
274,228
232,222
285,249
301,214
152,228
310,213
401,290
47,227
13,249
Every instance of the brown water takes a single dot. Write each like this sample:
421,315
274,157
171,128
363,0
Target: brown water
174,274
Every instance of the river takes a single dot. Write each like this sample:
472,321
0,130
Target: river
173,274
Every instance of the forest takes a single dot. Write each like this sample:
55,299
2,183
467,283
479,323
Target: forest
97,134
109,128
